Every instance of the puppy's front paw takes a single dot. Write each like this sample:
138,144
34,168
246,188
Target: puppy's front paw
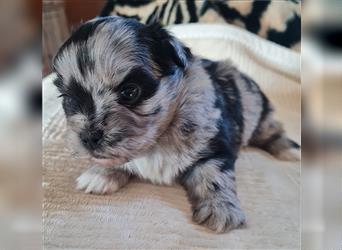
219,216
98,180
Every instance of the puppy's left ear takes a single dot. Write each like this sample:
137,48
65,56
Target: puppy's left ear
167,51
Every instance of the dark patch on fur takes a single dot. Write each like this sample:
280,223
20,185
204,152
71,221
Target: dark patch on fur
84,62
78,99
251,84
290,36
58,82
187,128
219,148
163,52
171,52
223,146
216,186
228,100
70,106
226,144
266,110
208,65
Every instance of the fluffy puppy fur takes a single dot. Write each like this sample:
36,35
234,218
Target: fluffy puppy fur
138,102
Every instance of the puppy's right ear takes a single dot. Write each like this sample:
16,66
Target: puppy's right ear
166,51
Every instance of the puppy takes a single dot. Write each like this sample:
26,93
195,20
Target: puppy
139,103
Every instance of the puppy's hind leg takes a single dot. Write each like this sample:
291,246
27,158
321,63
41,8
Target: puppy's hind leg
271,137
100,180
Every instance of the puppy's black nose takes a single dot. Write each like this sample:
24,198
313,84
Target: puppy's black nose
91,140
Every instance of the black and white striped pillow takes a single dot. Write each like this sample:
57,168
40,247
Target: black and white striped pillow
278,21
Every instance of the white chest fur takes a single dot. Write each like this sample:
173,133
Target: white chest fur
159,166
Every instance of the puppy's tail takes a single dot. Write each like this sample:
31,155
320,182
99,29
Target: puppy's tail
271,137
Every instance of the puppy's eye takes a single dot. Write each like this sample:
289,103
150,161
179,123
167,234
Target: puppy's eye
130,93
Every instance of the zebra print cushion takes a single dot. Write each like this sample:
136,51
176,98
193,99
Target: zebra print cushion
277,21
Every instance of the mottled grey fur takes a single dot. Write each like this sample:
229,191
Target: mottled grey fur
190,130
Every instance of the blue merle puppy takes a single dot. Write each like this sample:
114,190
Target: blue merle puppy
139,103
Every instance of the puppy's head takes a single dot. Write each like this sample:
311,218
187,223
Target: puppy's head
119,81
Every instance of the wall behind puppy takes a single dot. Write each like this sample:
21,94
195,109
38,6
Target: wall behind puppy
80,10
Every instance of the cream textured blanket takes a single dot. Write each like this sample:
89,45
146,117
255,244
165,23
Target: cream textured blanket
146,216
